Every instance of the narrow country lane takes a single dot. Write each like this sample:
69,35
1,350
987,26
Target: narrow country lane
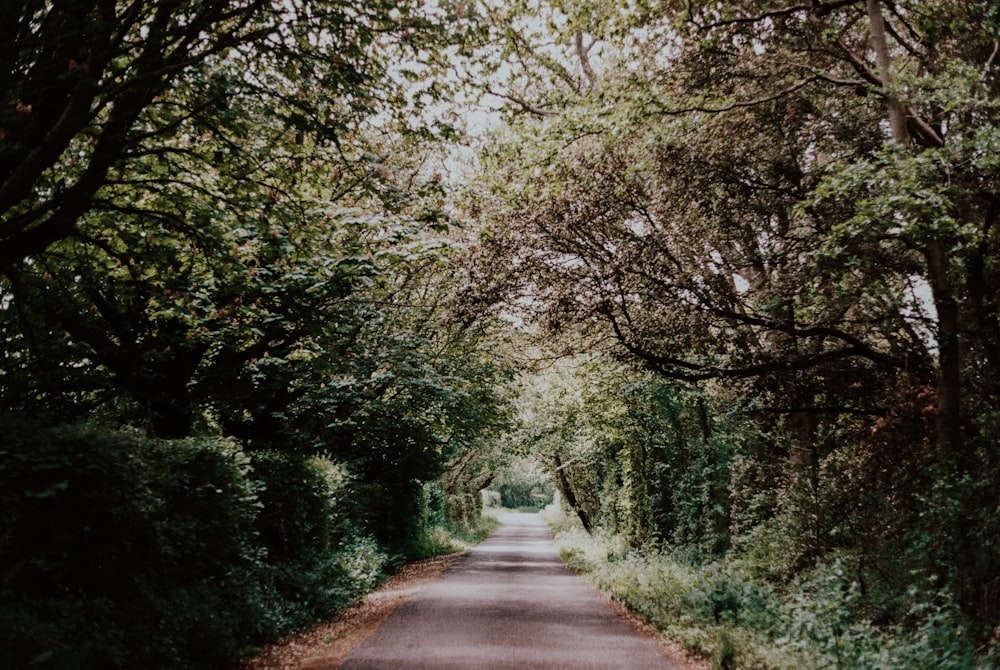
509,603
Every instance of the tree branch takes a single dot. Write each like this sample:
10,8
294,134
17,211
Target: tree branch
859,65
819,9
741,104
989,61
582,53
523,104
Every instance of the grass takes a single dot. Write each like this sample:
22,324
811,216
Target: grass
441,539
717,611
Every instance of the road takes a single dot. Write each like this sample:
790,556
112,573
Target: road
508,603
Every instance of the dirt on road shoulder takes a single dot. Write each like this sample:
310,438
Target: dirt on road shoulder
326,646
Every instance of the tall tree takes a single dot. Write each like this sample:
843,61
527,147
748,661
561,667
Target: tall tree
88,87
682,199
243,233
795,199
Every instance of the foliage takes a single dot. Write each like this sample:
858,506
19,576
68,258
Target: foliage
226,269
523,485
123,551
91,89
686,480
441,532
637,455
317,561
227,239
246,211
785,214
312,328
816,623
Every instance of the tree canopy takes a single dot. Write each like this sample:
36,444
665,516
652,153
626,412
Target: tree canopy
749,193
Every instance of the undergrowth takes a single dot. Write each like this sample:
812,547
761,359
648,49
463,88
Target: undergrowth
718,611
446,538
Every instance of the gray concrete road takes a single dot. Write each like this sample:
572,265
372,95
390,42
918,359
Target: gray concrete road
509,603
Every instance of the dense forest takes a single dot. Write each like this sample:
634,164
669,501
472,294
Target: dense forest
285,285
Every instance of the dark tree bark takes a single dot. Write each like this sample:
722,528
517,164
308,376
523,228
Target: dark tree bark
571,499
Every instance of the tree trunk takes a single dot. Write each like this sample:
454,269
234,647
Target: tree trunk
567,491
935,253
949,422
897,113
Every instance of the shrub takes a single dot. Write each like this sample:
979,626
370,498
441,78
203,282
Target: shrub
123,552
817,622
439,532
317,562
823,629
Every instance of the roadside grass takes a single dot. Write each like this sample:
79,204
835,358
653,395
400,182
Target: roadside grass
719,611
442,539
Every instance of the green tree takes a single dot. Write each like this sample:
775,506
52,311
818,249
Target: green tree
264,210
90,86
793,199
241,236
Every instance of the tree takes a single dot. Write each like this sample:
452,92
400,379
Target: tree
673,205
791,202
224,242
243,233
90,87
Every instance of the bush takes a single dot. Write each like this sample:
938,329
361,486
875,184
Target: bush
823,629
317,562
123,552
439,532
817,622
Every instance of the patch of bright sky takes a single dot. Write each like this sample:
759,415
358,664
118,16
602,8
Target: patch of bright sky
919,310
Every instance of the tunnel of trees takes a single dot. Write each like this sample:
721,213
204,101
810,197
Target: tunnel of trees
284,285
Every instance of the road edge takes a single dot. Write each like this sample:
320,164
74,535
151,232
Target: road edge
326,646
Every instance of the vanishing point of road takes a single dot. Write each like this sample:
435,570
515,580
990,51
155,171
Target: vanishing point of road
510,603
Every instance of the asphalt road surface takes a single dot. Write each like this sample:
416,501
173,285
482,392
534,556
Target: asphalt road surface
509,603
